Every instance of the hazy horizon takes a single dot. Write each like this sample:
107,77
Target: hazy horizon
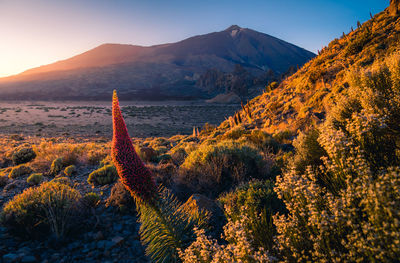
42,32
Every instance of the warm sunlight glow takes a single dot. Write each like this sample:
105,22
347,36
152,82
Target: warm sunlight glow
35,33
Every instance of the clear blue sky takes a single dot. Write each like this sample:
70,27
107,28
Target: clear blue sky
37,32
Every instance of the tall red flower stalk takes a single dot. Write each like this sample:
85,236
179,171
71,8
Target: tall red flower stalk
131,170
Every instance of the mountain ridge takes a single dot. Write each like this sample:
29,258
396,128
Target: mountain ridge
304,98
165,70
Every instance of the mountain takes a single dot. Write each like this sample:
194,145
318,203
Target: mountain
157,72
305,97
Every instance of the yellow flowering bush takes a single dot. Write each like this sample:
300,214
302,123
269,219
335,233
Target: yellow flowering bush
238,248
348,208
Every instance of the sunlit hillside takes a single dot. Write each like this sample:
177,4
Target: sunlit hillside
305,97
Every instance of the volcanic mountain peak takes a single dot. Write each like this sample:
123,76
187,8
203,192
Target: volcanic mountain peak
305,97
171,69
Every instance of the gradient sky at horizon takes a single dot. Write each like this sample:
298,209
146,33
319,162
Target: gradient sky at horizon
39,32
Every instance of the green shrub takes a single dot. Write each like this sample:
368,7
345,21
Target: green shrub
23,155
258,202
51,207
178,155
147,154
235,133
308,150
19,171
62,180
262,140
347,210
121,198
35,179
70,170
105,175
283,137
56,166
94,157
237,246
91,199
105,161
164,158
358,43
214,168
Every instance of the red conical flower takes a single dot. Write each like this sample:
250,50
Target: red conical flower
132,171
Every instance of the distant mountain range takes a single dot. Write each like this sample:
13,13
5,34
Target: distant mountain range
178,70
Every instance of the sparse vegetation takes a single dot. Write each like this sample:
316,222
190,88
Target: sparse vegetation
70,170
56,166
50,207
104,175
35,179
23,155
19,171
91,199
214,168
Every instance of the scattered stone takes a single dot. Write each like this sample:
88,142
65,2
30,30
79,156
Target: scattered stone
99,236
105,244
118,240
10,258
28,259
117,227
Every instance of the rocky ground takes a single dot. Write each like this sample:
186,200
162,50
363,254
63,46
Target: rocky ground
114,239
93,119
107,235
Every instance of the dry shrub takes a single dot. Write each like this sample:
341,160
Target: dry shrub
347,210
104,175
163,173
120,198
214,168
71,153
51,207
19,171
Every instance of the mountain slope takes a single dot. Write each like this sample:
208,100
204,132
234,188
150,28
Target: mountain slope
167,71
305,97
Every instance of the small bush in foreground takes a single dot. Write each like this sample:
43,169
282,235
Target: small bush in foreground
238,247
62,180
91,199
104,175
56,166
70,170
23,155
347,210
120,197
258,202
214,168
19,171
308,150
35,179
50,207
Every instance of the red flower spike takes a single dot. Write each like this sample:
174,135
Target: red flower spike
131,170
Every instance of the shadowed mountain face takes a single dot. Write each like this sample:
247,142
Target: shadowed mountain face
169,71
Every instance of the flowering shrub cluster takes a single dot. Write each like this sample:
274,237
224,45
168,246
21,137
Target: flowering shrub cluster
238,248
257,201
348,209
